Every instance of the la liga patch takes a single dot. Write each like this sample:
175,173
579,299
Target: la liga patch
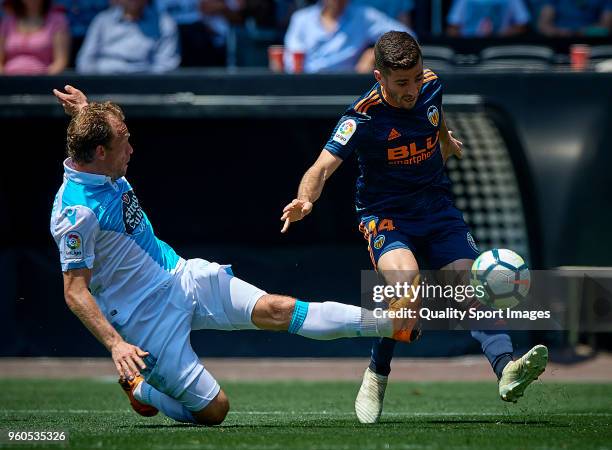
345,131
73,247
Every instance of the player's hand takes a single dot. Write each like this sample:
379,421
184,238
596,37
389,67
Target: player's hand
128,359
294,211
452,146
72,100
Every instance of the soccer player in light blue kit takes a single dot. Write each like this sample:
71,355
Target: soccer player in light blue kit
404,202
141,300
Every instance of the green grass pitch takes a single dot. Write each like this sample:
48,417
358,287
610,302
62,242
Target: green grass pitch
319,415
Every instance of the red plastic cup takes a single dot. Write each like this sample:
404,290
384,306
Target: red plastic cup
298,62
579,56
275,58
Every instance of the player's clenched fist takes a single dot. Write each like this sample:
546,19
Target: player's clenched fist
294,211
128,359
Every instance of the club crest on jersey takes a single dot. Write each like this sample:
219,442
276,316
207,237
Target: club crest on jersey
433,115
345,131
74,245
132,213
379,241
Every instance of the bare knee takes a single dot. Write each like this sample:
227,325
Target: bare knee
273,312
398,266
400,273
215,412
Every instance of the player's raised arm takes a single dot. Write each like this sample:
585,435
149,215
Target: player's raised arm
310,188
73,100
127,357
448,144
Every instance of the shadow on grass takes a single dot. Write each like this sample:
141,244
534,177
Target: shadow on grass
541,423
282,425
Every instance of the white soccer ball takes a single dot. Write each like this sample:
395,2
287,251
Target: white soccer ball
504,275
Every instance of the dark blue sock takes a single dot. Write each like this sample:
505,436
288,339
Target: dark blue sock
501,362
382,353
497,347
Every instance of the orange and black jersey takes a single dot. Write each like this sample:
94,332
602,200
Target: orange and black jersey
398,150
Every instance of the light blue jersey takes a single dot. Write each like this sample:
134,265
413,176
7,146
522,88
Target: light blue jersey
98,224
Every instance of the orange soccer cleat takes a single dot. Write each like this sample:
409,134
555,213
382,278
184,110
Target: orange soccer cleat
406,329
141,408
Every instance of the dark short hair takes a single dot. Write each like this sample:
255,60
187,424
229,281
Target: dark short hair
89,128
396,50
19,9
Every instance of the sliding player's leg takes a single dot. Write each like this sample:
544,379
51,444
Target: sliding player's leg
225,302
200,401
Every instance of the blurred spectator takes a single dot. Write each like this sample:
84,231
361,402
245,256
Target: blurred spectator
196,39
33,39
219,15
80,13
129,38
261,13
399,10
482,18
203,27
336,36
575,17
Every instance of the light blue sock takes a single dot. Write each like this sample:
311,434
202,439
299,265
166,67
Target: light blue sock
171,407
332,320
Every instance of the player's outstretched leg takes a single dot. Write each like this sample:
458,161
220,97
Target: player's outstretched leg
330,320
513,376
519,374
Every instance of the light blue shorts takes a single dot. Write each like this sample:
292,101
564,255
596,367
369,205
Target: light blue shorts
202,295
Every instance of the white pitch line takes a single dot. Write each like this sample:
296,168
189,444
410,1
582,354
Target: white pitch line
310,413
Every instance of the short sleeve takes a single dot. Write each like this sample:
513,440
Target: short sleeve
347,136
75,235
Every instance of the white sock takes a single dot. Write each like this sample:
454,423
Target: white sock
171,407
332,320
